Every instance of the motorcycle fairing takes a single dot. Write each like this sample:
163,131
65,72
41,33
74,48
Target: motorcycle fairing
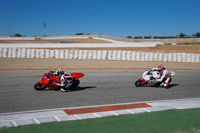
76,76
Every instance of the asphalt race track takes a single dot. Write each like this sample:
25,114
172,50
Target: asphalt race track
97,87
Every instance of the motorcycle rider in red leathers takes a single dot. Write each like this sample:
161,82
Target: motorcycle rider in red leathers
164,73
64,83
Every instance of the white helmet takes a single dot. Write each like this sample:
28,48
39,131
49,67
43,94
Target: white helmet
57,72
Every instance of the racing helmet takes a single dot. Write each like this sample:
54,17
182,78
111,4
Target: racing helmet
161,67
57,72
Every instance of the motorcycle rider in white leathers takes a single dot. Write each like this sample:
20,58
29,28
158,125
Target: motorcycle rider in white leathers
65,79
164,73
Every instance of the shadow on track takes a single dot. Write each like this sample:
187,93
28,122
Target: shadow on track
158,86
75,89
83,88
172,85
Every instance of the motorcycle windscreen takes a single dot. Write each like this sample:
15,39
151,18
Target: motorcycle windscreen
47,75
77,75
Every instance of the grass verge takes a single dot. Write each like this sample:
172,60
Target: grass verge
171,121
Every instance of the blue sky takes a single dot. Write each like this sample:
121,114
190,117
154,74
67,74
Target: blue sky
107,17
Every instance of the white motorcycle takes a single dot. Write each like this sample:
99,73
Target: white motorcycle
149,75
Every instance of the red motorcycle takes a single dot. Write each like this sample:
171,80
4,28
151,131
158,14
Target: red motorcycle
48,81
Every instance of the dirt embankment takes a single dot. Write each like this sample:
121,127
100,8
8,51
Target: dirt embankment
183,47
165,49
49,64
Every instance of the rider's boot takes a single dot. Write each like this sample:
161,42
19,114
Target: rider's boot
61,85
166,84
66,88
63,89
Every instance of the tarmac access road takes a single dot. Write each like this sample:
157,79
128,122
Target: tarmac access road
97,87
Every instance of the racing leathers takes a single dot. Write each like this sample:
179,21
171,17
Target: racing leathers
62,79
67,80
56,77
164,77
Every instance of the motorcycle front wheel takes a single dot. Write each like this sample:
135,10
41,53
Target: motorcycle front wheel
38,86
139,83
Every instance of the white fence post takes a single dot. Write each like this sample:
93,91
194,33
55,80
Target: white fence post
165,57
170,57
124,55
142,56
94,54
188,57
151,56
5,52
179,57
9,52
114,55
37,53
23,53
119,55
129,55
160,56
62,54
133,56
184,57
33,53
90,53
76,52
80,54
67,54
19,53
110,54
155,57
99,55
146,56
1,52
14,52
28,54
85,54
52,53
104,55
193,58
42,53
174,57
57,54
138,56
71,54
47,53
197,58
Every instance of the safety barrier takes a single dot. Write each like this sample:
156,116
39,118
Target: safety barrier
99,55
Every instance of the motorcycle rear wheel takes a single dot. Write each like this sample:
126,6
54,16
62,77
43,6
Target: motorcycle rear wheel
77,82
38,86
